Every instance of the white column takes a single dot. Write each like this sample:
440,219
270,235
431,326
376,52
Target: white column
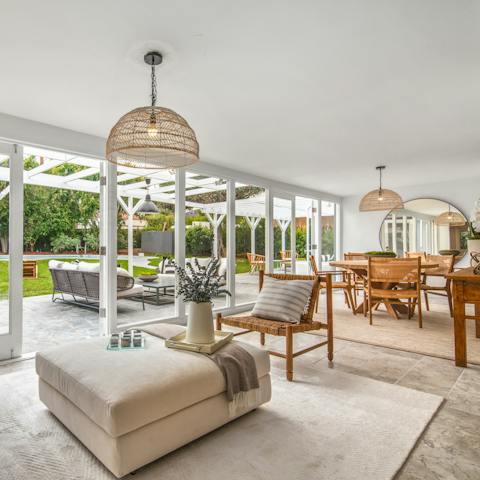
215,220
15,265
283,224
180,234
394,233
413,243
231,243
307,235
319,236
420,235
108,251
130,235
268,231
386,235
253,223
293,236
404,233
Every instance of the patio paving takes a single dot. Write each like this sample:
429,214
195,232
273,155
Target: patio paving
46,324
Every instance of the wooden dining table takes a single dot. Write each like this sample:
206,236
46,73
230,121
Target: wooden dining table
360,268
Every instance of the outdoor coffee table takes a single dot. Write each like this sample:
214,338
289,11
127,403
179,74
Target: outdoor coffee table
160,291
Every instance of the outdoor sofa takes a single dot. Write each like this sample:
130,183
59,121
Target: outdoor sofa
82,282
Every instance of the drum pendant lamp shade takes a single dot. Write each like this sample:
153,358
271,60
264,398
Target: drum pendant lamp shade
381,198
152,137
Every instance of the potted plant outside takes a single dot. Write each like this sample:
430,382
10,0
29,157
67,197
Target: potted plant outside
198,285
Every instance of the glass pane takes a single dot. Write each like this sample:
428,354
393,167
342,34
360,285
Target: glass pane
249,240
60,234
206,224
4,255
282,220
146,249
328,231
306,221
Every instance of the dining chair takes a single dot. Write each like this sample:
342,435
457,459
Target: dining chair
345,284
422,255
358,281
392,281
445,263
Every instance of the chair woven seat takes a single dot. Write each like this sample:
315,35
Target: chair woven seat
272,327
251,323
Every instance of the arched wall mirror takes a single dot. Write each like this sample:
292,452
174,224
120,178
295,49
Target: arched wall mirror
425,225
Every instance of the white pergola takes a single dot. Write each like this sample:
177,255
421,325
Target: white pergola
162,189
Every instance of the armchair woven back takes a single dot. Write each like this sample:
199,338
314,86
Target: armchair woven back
307,316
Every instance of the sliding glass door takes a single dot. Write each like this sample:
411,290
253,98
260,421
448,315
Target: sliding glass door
11,233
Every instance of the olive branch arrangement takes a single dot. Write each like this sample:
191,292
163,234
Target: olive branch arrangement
199,284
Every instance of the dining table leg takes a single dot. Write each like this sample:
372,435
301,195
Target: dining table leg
459,326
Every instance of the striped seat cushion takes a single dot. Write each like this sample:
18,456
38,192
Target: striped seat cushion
283,300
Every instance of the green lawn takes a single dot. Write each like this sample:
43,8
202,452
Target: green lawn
43,284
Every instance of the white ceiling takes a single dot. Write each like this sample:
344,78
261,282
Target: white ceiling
314,93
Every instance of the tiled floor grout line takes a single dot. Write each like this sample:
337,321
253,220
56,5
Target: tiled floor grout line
455,383
408,371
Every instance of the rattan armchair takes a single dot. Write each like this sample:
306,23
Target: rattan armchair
285,329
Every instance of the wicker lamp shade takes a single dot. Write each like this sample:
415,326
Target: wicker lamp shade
377,200
380,199
453,219
152,137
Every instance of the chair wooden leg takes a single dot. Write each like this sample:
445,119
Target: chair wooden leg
318,300
420,319
329,328
370,310
262,339
427,306
219,321
450,303
289,353
346,298
351,301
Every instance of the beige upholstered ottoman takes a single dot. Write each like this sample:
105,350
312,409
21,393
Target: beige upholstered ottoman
131,407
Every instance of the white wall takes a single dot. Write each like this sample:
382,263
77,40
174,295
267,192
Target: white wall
361,229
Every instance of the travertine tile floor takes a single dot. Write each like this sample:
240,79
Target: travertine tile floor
450,446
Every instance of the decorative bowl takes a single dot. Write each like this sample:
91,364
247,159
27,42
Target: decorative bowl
148,278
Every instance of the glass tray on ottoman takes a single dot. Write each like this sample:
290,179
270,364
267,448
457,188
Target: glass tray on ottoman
180,342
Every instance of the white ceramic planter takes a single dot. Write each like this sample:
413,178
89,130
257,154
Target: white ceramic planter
473,245
200,323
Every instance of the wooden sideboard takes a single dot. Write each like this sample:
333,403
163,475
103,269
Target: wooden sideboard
466,289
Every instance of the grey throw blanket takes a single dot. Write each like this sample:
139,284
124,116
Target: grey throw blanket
236,364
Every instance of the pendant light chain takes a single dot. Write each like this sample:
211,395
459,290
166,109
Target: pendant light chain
154,86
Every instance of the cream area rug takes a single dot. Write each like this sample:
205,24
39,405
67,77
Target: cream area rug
325,425
434,339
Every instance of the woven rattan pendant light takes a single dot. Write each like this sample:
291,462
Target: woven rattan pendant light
453,219
380,199
152,137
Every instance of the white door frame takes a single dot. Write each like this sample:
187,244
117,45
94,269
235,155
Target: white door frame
11,342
